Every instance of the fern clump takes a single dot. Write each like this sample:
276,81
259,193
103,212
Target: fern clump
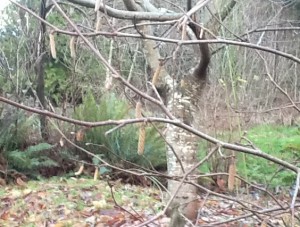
15,128
31,159
121,143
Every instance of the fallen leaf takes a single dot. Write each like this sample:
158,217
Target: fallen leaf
230,212
2,182
96,174
80,170
20,182
5,215
62,224
79,135
221,184
100,204
264,224
16,193
91,221
61,142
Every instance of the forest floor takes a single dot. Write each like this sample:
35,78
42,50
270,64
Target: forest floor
61,202
76,202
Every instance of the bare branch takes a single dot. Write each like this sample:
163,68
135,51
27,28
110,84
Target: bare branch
129,15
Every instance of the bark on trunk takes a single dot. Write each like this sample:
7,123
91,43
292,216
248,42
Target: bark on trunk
40,70
184,206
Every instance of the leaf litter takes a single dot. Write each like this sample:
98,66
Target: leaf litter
76,202
60,202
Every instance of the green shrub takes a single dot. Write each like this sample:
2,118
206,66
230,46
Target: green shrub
31,159
121,143
21,144
15,128
56,82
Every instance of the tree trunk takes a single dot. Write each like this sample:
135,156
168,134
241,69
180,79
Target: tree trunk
182,142
40,70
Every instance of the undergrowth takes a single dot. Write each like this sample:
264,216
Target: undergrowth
25,151
120,144
31,159
280,141
14,129
22,148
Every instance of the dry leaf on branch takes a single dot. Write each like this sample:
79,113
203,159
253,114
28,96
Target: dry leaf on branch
79,135
80,170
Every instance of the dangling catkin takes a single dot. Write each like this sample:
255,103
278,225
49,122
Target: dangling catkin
142,138
142,130
231,176
72,47
156,75
52,45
